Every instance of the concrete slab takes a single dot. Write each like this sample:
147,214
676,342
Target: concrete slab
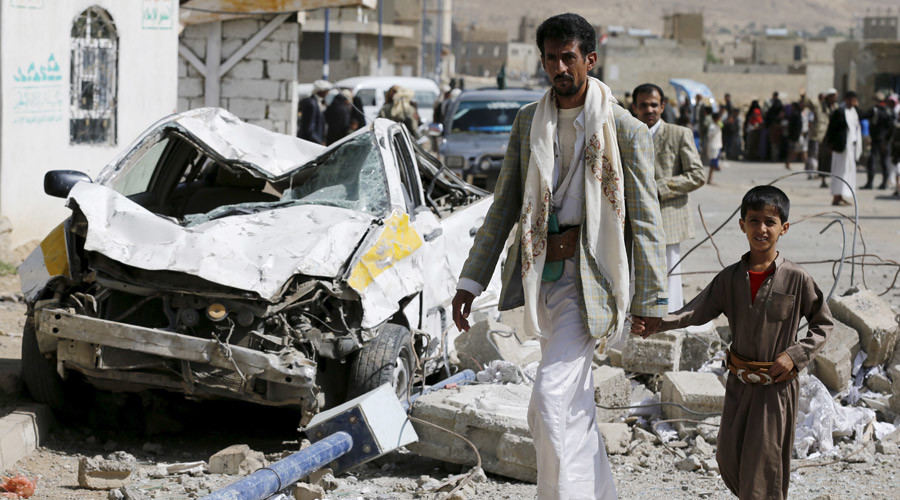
493,417
699,391
22,431
872,317
657,354
611,388
488,340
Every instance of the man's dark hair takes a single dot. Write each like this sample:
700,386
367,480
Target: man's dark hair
850,94
565,28
761,197
648,88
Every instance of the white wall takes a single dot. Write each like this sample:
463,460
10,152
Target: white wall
34,137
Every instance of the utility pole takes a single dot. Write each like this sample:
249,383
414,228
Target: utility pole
327,47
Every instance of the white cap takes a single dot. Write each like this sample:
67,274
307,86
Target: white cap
831,91
321,86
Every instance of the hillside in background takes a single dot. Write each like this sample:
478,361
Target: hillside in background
720,16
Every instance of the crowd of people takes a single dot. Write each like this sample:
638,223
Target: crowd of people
330,114
798,131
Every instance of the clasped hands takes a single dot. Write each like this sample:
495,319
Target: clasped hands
644,326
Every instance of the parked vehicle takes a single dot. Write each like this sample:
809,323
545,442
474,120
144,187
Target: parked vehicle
219,259
476,130
371,89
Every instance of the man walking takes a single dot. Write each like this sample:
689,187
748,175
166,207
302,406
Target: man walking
311,124
829,106
577,176
882,123
844,135
678,172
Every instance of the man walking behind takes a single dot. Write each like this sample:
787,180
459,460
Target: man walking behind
882,123
577,176
829,105
311,124
844,135
678,172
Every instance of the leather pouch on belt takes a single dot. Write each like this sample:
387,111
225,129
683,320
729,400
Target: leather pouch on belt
552,270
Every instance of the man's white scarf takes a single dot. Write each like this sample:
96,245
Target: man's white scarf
604,224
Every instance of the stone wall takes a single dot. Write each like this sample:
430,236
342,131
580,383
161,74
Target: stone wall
259,88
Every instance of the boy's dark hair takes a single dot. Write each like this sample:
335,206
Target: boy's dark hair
648,88
565,28
760,197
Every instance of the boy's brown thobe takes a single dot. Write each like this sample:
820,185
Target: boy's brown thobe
757,431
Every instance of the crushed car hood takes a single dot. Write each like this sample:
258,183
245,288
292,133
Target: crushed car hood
257,252
265,153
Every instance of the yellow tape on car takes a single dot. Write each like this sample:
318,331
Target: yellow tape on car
397,241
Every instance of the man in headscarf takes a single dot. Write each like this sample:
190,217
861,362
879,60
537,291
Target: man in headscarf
844,135
400,106
311,123
577,184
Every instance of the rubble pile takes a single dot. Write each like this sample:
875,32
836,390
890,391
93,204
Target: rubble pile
658,399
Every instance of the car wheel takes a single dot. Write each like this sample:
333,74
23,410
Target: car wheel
386,359
39,371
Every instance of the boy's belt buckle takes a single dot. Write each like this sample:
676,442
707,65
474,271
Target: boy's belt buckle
749,377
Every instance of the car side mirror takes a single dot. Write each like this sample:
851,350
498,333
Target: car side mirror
58,183
436,129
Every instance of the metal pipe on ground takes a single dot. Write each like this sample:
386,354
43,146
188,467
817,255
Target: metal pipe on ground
270,480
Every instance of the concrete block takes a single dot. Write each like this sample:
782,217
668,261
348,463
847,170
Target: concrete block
287,32
873,318
489,340
611,388
247,68
241,28
698,345
98,473
190,87
833,368
699,391
248,109
282,127
281,70
230,46
267,49
689,464
616,437
657,354
835,360
236,459
279,111
243,87
493,417
293,51
183,104
266,124
22,431
303,491
182,68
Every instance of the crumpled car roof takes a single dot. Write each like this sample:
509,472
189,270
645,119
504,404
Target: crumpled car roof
265,153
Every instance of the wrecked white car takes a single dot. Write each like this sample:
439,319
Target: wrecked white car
219,259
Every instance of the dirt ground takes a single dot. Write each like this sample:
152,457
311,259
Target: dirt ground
160,429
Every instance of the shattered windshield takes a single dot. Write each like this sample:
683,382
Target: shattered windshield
350,176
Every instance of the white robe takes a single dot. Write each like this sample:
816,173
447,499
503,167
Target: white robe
844,164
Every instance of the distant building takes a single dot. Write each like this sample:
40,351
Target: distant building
683,27
867,67
881,27
479,52
523,60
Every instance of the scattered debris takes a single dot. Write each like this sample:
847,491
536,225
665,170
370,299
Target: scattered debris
872,318
305,491
489,340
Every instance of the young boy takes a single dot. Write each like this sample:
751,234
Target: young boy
764,297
